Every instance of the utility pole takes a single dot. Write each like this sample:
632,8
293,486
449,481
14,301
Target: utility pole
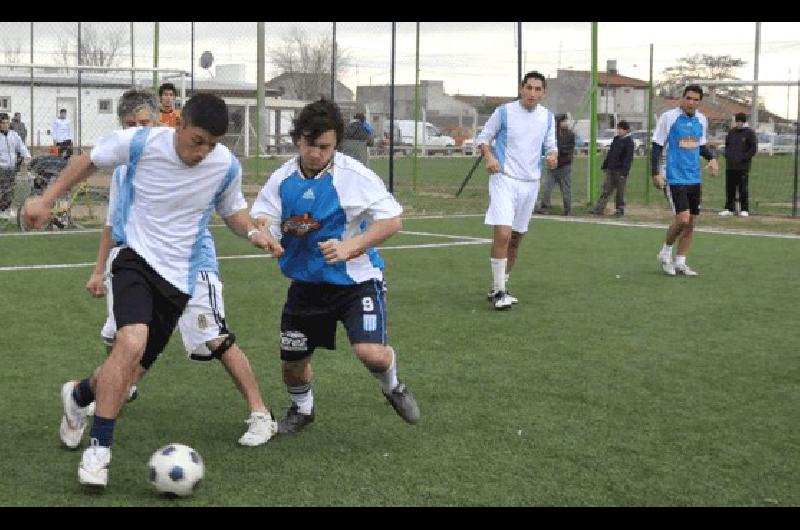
755,77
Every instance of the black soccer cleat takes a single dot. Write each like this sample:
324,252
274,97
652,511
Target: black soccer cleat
404,403
294,420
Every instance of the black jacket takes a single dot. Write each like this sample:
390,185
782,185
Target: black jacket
620,155
565,139
741,146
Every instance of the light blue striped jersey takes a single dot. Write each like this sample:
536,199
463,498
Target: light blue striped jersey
681,136
521,137
339,203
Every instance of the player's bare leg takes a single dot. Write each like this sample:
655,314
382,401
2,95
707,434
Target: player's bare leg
382,362
501,242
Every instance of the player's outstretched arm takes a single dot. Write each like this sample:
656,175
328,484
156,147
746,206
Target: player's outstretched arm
37,209
243,225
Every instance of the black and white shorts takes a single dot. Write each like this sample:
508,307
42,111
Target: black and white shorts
684,197
312,310
142,296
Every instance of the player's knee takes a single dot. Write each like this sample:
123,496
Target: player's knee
376,357
294,372
218,347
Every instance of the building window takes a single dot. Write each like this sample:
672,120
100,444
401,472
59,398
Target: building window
5,103
104,106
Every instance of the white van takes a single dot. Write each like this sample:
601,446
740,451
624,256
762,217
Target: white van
428,135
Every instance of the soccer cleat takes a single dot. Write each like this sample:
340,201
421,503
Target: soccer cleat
685,270
403,402
491,294
665,262
262,428
93,470
88,410
725,213
294,420
744,213
501,300
73,422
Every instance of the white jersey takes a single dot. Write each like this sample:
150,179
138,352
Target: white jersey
61,129
11,145
339,203
521,138
163,205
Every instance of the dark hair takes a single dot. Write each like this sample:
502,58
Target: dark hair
536,75
560,118
622,124
207,111
740,116
167,86
3,116
694,88
315,119
360,117
62,110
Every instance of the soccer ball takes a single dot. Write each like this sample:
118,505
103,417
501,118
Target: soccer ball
176,469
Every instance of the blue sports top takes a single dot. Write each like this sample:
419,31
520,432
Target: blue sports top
681,136
339,203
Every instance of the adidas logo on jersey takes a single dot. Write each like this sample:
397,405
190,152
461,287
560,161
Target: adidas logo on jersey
309,194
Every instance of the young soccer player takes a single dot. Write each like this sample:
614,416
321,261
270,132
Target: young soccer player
175,178
522,132
329,212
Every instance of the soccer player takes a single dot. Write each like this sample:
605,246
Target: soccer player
682,131
169,115
329,212
522,131
174,179
202,325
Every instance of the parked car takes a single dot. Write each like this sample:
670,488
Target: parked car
606,136
783,144
765,143
639,141
468,147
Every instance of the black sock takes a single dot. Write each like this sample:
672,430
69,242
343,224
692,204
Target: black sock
82,393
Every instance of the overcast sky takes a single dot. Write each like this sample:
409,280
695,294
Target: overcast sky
470,57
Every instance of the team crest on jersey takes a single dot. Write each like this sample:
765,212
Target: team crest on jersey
690,143
300,225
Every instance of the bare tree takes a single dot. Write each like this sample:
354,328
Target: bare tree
308,64
95,50
699,67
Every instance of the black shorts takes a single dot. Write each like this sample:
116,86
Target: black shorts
312,310
684,197
142,296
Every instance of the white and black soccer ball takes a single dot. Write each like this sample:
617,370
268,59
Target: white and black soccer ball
176,469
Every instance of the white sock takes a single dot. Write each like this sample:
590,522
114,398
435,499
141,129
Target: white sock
388,379
680,261
498,273
666,249
302,396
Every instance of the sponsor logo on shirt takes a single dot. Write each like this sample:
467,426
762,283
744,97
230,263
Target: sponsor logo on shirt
309,194
300,225
690,143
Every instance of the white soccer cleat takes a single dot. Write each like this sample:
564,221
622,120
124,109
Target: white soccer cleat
685,270
744,213
665,261
725,213
262,428
93,470
501,300
73,422
491,294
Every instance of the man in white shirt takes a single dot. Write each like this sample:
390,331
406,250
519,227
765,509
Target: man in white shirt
11,145
175,179
61,129
514,140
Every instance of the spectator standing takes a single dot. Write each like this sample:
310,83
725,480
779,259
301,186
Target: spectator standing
562,174
11,148
741,146
61,129
18,127
617,165
358,136
169,114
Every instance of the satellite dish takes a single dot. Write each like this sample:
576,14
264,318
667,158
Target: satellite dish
206,60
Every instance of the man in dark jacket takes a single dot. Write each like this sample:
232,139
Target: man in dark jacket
741,146
617,165
358,135
562,174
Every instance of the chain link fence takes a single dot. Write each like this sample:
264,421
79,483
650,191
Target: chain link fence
447,77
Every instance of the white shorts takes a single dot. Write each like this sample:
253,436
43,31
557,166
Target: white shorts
511,202
202,320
